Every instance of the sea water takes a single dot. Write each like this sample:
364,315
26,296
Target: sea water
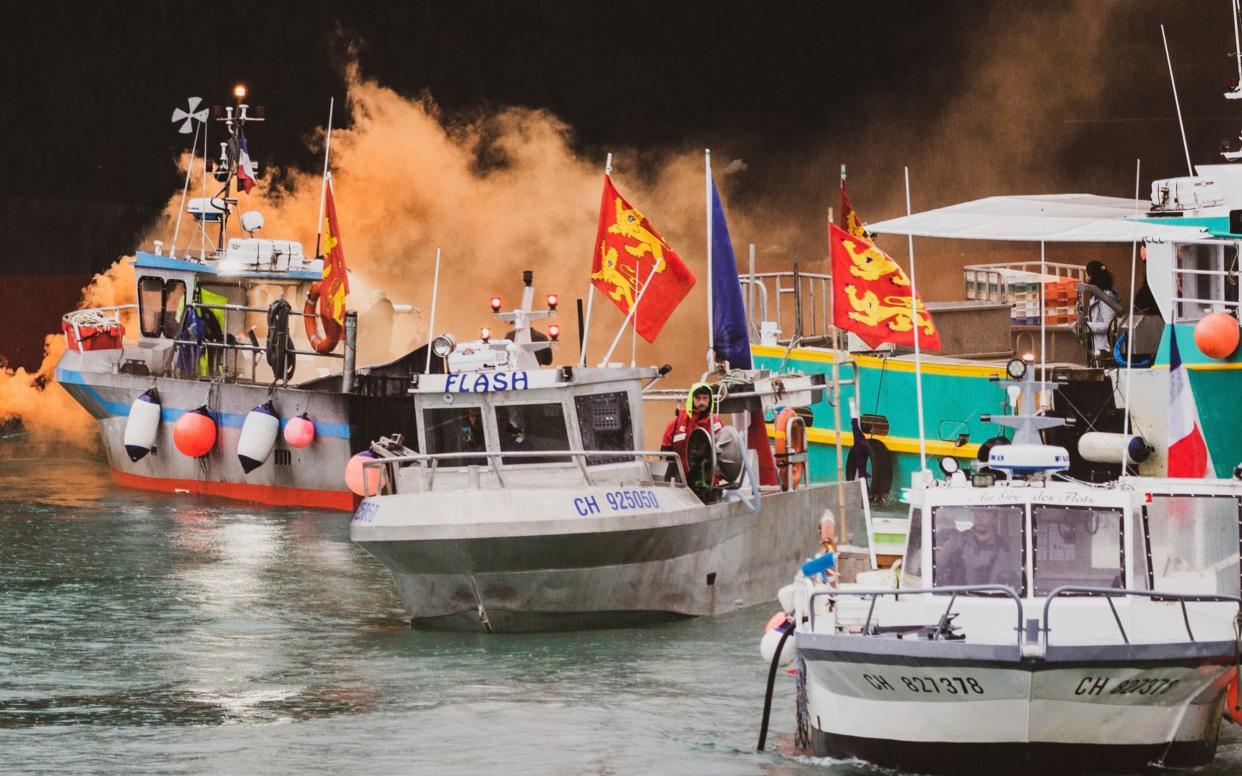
144,633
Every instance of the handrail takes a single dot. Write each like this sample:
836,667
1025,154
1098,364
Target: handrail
875,593
388,485
1110,593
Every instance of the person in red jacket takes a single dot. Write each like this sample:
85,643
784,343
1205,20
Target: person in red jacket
697,413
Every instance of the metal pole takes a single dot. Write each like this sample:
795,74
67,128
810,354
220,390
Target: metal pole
1125,421
1177,103
707,194
431,324
1043,344
351,351
323,187
918,357
198,126
586,329
750,289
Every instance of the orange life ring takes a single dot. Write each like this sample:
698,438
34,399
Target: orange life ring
326,342
790,444
1231,703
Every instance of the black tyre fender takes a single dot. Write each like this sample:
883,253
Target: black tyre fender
880,460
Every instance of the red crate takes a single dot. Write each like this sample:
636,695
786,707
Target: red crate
84,338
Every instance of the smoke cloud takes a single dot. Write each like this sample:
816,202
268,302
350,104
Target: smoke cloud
506,191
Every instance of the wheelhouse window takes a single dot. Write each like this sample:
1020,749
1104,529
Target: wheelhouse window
160,305
979,545
604,424
1194,544
456,430
531,428
1077,546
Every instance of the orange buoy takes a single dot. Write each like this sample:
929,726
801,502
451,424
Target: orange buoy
355,474
788,444
300,431
194,433
776,621
1217,335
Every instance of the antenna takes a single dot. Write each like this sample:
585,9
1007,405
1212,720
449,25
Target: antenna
1176,103
190,115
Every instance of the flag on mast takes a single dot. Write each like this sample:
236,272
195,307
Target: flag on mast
871,294
1188,452
729,331
335,284
849,216
245,167
629,251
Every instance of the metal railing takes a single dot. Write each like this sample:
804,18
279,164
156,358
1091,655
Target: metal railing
811,291
955,590
1109,593
386,469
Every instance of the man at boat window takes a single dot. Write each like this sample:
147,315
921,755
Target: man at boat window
472,436
696,414
979,555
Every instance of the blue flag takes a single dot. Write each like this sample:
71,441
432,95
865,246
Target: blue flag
729,330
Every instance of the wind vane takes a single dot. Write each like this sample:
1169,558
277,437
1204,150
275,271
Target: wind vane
189,116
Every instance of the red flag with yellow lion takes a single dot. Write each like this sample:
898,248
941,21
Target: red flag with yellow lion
629,252
871,294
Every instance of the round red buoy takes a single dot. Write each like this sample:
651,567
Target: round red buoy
1217,335
194,433
354,472
300,431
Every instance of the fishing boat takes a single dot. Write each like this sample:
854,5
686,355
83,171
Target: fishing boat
532,504
1185,240
237,384
1038,624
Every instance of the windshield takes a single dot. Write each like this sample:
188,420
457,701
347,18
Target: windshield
1077,546
978,545
1194,544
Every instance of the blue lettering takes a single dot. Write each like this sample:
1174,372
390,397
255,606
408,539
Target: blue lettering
480,384
592,504
522,378
449,380
580,505
500,381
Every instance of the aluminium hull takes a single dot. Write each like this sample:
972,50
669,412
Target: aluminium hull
555,573
938,707
312,476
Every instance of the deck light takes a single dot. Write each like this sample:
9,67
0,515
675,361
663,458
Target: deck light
443,345
949,465
552,301
1016,369
495,304
239,91
554,332
485,334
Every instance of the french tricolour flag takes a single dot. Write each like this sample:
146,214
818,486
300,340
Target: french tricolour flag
245,168
1188,453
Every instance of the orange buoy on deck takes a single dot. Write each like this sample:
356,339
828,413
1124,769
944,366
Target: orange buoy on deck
1217,335
194,433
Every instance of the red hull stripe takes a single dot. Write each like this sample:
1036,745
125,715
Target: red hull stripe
264,494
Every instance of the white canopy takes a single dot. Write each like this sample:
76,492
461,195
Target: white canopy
1038,218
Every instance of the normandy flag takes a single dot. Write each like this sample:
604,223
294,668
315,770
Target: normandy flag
335,283
849,216
871,294
628,251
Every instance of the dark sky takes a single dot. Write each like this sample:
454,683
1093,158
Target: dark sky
88,89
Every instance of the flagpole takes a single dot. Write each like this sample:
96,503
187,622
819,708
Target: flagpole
914,313
431,325
1125,421
323,187
629,316
1043,331
836,403
707,194
586,327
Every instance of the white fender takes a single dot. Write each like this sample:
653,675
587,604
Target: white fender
258,437
767,648
142,426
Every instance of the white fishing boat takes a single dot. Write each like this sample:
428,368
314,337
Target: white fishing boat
533,505
1036,624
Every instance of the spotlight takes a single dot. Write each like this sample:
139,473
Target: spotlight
239,91
495,304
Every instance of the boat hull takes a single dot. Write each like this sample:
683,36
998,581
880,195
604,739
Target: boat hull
312,476
1071,710
550,573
